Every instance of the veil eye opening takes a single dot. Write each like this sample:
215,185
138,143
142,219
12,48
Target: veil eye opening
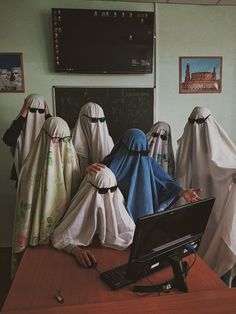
198,121
136,152
162,136
56,139
33,110
105,190
94,119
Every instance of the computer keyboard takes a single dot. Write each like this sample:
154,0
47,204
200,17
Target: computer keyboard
115,278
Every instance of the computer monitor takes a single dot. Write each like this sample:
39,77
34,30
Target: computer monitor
160,237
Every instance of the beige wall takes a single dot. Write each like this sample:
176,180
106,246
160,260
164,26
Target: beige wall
25,26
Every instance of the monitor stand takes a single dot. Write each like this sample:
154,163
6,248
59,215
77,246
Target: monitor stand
180,270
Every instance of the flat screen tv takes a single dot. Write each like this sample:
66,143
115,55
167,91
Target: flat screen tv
163,239
102,41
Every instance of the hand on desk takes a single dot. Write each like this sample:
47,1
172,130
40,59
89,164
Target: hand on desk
84,257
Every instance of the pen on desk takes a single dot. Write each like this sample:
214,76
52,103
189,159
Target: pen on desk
59,297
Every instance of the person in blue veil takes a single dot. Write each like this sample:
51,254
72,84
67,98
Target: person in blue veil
145,185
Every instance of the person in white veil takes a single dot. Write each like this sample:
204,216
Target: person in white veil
24,130
160,146
206,157
96,209
221,254
47,182
90,136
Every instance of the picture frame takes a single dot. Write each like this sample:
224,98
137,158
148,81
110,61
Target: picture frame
11,72
200,74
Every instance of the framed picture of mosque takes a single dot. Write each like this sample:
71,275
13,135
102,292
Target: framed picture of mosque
200,75
11,72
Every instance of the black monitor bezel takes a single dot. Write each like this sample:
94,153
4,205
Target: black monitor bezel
60,64
138,265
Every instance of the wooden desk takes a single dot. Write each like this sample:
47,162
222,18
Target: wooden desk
44,270
218,301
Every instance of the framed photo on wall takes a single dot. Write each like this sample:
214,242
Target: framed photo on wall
11,72
200,75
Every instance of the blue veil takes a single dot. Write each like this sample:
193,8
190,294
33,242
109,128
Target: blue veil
146,187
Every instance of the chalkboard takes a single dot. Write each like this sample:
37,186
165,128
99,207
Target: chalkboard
124,108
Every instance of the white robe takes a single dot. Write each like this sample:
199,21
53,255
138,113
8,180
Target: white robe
47,182
206,158
33,125
162,150
222,249
92,213
92,141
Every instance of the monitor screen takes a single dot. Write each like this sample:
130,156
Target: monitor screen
161,235
102,41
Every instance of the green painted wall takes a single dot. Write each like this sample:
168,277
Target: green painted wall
194,30
25,26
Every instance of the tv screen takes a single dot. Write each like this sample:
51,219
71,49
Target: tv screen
102,41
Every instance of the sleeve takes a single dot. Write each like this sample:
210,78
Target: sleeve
168,188
69,248
11,135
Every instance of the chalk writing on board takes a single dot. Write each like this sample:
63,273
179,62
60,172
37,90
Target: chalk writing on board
124,108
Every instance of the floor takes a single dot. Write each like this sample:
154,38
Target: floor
5,273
